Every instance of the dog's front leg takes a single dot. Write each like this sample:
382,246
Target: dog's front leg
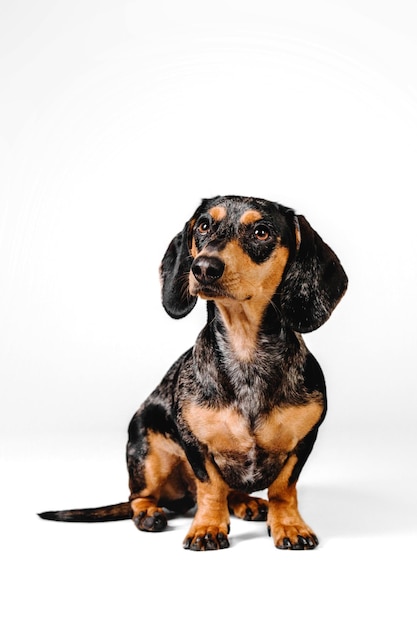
211,523
285,524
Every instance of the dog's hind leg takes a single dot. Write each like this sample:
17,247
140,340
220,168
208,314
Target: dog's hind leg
247,507
158,476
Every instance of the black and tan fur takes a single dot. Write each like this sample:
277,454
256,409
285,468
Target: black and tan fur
240,411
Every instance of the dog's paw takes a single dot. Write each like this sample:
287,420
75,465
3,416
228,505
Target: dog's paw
151,520
201,539
247,507
297,537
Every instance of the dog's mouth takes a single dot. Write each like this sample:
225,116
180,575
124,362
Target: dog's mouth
209,292
216,292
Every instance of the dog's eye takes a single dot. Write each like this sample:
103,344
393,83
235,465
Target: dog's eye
261,233
203,227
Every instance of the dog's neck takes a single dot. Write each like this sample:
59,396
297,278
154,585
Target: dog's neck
243,323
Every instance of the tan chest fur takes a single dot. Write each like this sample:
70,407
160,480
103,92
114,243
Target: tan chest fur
226,430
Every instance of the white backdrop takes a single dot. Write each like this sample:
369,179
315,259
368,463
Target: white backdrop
116,119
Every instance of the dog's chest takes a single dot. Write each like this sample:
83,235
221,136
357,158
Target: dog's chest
226,429
244,452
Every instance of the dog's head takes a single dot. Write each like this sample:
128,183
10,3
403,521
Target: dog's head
237,249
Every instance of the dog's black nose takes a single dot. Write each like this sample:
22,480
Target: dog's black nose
207,269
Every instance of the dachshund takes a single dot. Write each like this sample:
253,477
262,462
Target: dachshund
240,411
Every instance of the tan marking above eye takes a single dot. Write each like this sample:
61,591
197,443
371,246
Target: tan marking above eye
249,217
218,213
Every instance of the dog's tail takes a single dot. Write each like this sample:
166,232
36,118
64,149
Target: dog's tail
110,513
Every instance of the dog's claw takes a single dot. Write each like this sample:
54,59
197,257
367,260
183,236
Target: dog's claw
206,542
197,545
302,543
210,542
223,541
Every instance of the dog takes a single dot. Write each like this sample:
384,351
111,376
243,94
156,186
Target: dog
240,411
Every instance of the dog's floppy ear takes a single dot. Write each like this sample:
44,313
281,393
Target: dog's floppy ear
174,270
314,281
